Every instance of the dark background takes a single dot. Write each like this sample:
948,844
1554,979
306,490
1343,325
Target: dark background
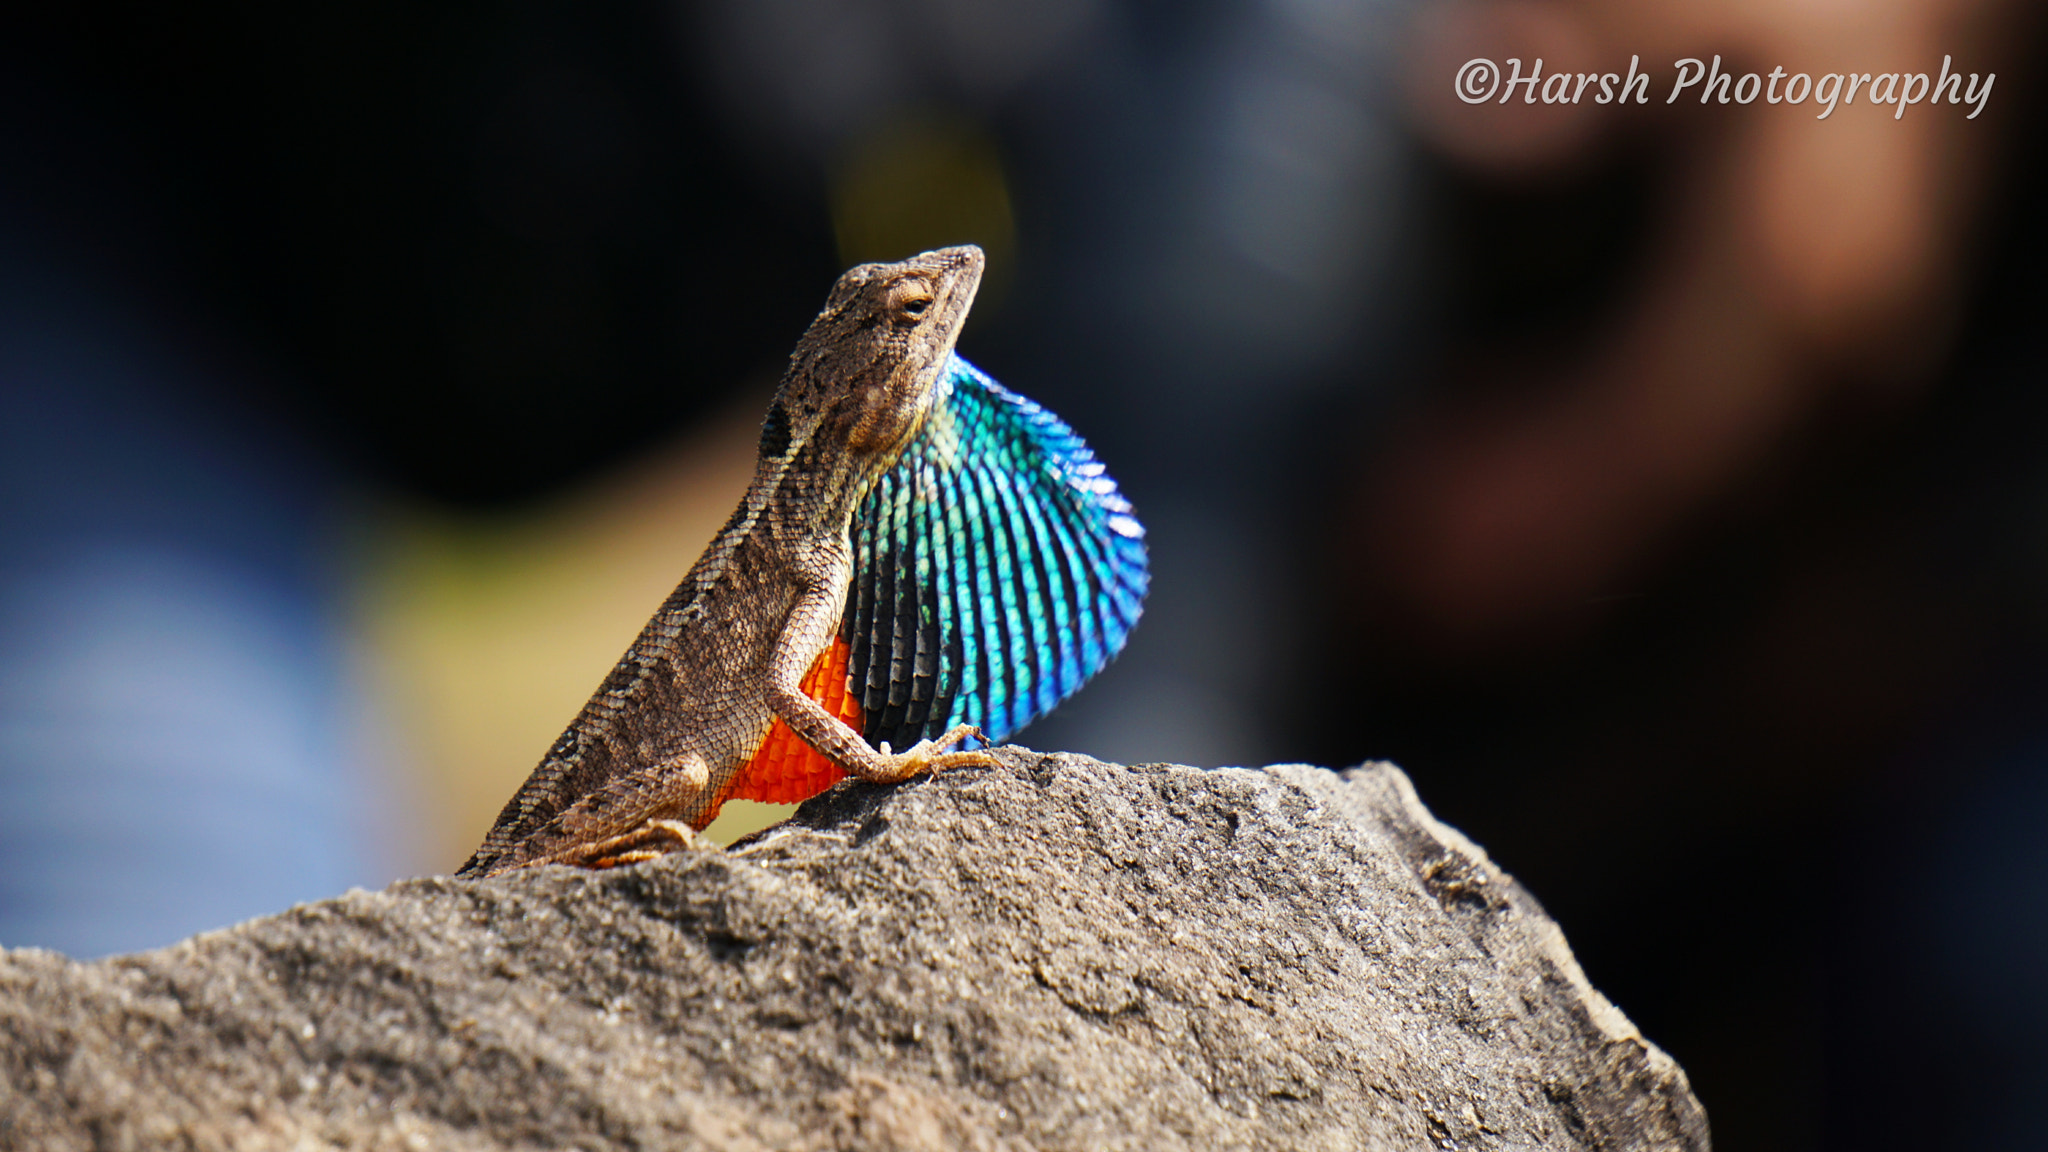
1760,722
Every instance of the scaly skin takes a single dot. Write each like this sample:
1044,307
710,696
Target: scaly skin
667,734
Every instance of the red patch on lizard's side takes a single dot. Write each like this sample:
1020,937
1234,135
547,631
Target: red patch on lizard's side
786,770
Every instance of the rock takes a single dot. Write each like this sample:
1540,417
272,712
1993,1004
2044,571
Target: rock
1056,953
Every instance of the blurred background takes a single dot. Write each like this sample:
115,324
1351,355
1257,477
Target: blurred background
1665,487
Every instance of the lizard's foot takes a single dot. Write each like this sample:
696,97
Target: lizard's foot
650,840
925,756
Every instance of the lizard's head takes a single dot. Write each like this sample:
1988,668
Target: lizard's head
864,374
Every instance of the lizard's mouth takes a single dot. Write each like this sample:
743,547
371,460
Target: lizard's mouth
959,277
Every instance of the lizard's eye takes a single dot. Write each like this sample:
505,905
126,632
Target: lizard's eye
916,305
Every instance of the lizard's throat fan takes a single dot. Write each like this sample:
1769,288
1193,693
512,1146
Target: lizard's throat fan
996,568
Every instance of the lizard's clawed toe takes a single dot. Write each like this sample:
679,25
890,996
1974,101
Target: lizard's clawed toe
926,756
651,840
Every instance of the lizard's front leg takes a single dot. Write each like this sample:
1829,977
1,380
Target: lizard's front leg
807,632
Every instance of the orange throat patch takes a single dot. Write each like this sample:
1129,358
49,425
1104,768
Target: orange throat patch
786,770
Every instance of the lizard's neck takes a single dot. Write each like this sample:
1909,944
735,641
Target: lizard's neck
811,494
810,498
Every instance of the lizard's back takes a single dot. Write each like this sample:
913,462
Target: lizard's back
692,682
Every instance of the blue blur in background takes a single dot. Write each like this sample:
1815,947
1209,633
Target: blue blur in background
176,718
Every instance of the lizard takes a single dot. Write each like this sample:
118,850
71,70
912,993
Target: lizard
923,559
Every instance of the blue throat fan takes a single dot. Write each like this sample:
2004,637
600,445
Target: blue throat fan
996,568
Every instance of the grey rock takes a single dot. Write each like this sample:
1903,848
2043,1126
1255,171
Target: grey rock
1052,954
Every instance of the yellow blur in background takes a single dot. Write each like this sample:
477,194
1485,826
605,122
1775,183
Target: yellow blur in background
925,180
484,636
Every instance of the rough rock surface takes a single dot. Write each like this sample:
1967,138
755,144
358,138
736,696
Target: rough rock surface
1056,953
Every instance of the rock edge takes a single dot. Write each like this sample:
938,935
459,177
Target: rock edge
1055,953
